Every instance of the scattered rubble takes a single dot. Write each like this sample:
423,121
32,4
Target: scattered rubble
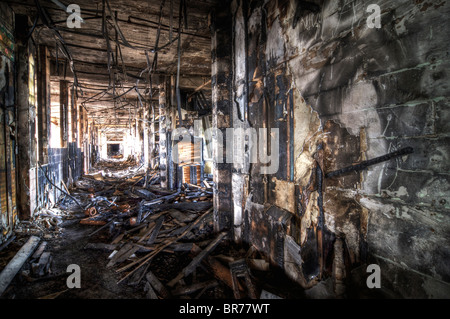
141,226
45,222
156,240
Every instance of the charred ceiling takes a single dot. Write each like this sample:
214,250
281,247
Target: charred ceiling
118,52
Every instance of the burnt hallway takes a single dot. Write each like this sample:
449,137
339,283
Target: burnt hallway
181,149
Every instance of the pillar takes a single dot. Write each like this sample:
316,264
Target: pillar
43,99
26,121
163,143
221,56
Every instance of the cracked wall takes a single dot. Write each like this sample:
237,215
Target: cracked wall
29,121
8,206
340,93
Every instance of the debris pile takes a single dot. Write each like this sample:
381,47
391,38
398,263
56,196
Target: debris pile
38,266
163,240
46,222
41,262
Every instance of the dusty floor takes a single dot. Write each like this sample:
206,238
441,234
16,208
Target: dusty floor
68,248
99,282
67,245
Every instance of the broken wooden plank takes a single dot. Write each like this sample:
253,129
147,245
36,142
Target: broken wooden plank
135,228
206,183
126,251
40,250
100,246
179,230
146,232
174,247
140,262
146,249
117,239
103,227
239,268
156,216
153,202
65,187
157,285
195,186
199,88
194,263
88,221
143,193
195,287
138,276
44,264
161,199
13,267
219,271
159,223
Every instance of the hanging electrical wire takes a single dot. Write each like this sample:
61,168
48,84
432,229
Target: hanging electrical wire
110,54
152,68
109,19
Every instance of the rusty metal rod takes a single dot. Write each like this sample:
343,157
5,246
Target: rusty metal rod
59,188
364,164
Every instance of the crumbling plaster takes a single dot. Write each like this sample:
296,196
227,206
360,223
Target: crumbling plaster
360,93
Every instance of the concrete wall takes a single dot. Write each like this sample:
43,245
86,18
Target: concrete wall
24,124
8,207
340,92
64,165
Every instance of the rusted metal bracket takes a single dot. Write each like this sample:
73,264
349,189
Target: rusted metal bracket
364,164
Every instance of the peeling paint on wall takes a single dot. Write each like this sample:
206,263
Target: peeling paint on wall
8,207
359,93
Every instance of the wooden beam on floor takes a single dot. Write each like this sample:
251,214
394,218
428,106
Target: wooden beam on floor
13,267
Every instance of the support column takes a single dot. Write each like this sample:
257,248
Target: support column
151,137
171,124
163,158
26,110
73,145
221,56
145,141
64,111
43,97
